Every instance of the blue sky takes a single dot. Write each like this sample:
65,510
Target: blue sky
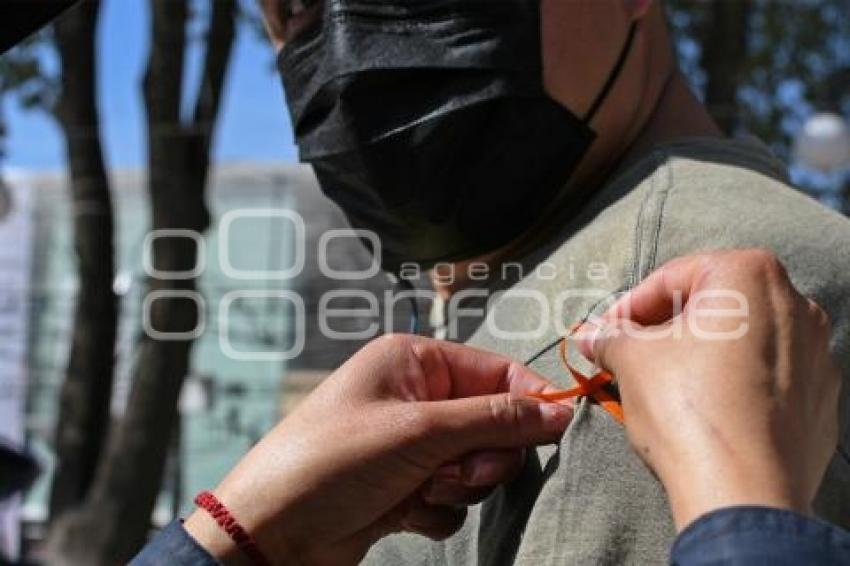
253,126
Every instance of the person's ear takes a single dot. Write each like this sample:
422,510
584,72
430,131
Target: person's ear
274,21
637,9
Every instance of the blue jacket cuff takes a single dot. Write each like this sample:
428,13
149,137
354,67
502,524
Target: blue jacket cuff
760,535
175,547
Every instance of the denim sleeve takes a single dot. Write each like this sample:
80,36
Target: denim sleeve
760,536
173,546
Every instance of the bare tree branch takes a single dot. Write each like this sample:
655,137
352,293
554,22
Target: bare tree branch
223,29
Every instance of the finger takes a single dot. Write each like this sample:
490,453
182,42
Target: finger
483,468
493,467
436,522
458,371
459,426
658,297
474,478
454,493
614,345
819,318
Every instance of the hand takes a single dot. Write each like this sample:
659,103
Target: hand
724,421
402,437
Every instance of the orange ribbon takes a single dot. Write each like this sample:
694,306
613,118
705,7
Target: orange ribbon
587,387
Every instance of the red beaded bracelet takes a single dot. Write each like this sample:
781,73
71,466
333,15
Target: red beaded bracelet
245,542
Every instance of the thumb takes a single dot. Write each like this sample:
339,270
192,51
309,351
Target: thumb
609,343
499,421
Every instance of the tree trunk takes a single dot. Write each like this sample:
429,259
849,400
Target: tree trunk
831,97
87,389
113,524
724,48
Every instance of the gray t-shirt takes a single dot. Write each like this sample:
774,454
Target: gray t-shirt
590,500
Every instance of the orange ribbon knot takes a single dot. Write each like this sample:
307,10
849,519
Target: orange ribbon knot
593,387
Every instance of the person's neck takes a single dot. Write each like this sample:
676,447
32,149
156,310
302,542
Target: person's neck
677,114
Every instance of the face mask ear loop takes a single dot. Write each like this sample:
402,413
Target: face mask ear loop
612,77
405,285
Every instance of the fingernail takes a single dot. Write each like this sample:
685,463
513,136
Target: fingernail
586,336
556,417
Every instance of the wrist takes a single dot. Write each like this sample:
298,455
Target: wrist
232,534
209,535
693,495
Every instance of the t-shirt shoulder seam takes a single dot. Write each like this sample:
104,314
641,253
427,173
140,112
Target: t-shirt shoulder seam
650,218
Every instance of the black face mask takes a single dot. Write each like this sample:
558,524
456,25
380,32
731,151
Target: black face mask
427,122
